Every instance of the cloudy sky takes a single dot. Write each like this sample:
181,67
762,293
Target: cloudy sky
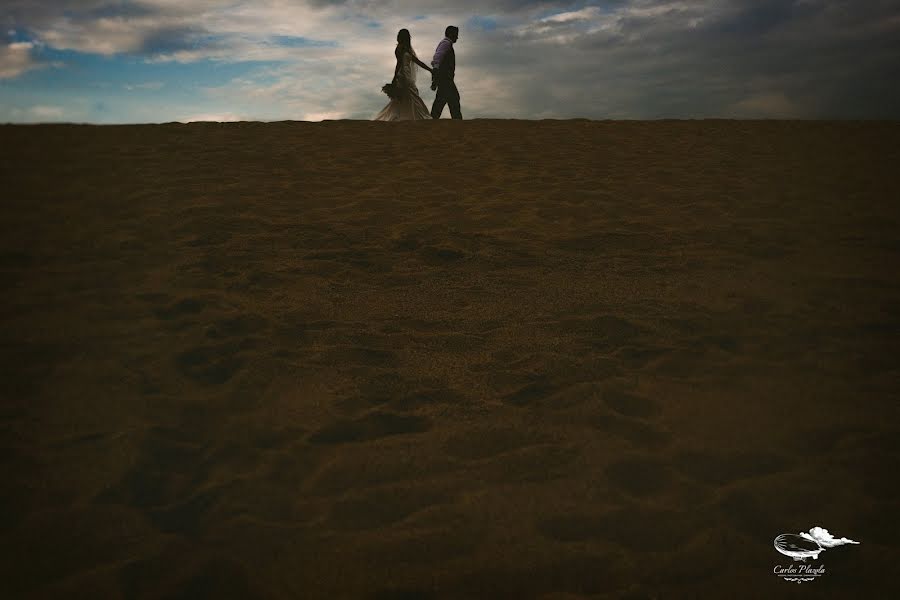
151,61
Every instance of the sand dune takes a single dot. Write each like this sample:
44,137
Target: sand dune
489,358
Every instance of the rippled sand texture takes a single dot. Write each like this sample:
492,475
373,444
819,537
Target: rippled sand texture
503,359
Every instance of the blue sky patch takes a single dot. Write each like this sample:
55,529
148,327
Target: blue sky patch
293,41
120,88
482,23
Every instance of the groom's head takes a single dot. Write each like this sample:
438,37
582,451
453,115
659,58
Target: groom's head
452,33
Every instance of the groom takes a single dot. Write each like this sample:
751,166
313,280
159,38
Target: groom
444,65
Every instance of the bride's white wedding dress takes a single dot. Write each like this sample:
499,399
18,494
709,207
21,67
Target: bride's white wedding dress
408,106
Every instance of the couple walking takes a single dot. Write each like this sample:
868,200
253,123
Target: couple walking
406,104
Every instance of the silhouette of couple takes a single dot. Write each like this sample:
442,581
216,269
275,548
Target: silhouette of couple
405,104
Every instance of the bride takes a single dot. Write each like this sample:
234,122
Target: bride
405,105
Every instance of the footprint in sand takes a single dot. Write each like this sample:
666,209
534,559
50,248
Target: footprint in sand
210,365
630,405
184,307
239,325
719,469
635,431
435,256
532,393
485,443
635,527
369,427
384,506
639,476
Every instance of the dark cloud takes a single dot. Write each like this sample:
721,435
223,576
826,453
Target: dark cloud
761,16
173,39
30,13
115,9
387,7
730,58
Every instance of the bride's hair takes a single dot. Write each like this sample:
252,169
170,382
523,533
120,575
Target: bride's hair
404,38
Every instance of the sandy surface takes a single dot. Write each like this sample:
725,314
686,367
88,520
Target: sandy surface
489,358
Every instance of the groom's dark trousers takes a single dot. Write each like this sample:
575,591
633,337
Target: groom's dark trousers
446,94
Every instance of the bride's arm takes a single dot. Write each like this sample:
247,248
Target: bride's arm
421,64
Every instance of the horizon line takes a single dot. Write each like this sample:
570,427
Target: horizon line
192,122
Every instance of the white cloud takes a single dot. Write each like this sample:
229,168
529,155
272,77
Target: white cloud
187,32
221,118
560,28
584,14
15,59
322,116
101,36
48,112
657,9
147,85
73,109
766,105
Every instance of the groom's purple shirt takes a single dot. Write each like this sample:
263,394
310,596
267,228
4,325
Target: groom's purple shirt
442,48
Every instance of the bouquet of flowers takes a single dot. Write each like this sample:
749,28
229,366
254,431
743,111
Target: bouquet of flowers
391,89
